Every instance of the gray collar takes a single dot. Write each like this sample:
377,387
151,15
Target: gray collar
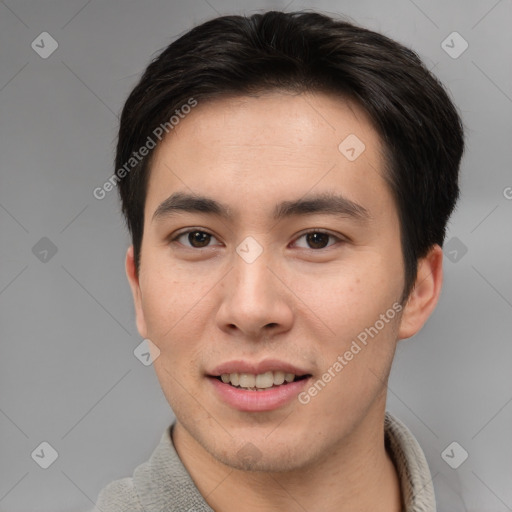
411,466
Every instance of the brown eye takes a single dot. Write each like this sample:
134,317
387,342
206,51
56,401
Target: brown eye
317,240
194,239
199,239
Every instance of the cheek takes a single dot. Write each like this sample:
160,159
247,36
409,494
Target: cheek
349,302
173,307
354,369
350,296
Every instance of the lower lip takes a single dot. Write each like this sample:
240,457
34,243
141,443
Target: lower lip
256,401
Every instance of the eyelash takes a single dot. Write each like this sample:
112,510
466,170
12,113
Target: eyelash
313,230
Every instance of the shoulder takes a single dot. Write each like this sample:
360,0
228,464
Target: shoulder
150,482
118,496
160,483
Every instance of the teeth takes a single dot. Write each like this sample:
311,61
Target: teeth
278,378
261,381
247,380
265,380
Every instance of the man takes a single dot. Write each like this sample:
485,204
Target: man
286,179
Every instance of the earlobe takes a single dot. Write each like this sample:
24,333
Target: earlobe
133,280
425,294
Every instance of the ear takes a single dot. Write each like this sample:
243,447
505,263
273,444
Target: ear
425,294
133,279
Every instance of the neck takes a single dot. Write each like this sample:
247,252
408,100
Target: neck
356,475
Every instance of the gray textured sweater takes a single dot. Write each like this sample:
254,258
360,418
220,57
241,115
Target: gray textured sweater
162,484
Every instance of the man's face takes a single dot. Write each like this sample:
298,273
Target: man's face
253,293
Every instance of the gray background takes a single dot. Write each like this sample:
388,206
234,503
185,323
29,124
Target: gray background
68,372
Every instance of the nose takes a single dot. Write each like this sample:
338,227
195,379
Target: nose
255,302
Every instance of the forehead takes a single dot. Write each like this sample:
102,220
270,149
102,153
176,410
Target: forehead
248,151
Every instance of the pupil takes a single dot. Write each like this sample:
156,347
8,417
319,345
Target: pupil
317,240
198,238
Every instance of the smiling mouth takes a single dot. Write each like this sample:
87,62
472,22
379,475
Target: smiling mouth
260,382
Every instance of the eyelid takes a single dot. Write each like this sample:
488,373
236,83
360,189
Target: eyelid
337,237
173,237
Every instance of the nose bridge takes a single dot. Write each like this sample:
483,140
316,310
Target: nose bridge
251,274
252,297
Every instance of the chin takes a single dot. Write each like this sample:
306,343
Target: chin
269,460
265,451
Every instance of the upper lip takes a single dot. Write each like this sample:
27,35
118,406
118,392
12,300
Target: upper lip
256,368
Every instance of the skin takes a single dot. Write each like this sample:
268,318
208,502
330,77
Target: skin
205,306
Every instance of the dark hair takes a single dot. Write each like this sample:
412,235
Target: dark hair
299,52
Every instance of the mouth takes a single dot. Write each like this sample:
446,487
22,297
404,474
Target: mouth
261,381
260,387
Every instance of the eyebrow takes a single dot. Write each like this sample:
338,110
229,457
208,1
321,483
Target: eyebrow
326,203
